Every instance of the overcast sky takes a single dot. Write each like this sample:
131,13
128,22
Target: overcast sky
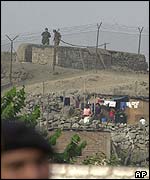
33,16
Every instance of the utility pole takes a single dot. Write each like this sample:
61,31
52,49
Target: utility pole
54,58
98,29
140,31
11,40
105,45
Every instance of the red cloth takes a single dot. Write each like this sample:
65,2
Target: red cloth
111,114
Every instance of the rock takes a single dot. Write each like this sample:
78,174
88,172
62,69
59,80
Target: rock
138,137
141,146
45,114
75,125
55,125
139,156
73,120
67,125
117,138
141,141
50,123
131,141
124,146
60,125
62,122
95,121
147,138
133,131
93,126
132,135
127,143
81,122
113,129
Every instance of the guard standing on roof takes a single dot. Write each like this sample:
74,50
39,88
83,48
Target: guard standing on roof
45,37
57,37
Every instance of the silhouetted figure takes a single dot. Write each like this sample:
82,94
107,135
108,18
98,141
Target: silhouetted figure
45,37
57,37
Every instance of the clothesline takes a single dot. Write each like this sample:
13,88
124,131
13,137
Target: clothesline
109,103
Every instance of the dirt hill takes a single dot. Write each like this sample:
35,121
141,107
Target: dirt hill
116,80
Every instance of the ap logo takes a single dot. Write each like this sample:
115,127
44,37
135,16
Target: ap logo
140,174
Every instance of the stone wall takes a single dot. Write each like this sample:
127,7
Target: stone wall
64,171
81,58
130,144
42,55
134,141
132,61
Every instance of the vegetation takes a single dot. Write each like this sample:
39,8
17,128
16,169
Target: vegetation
100,159
12,104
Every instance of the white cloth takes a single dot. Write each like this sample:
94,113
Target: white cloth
106,102
112,104
86,119
135,104
142,121
129,104
132,104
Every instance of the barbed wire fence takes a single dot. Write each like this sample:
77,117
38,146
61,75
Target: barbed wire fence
117,37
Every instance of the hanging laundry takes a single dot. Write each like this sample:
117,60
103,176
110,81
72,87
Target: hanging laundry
106,102
82,106
93,107
67,101
135,104
123,105
129,104
112,104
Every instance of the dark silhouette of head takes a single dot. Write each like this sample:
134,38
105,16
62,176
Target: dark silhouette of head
46,29
24,152
87,106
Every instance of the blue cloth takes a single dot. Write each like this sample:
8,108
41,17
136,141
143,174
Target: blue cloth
93,106
123,105
82,106
104,119
97,110
67,101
